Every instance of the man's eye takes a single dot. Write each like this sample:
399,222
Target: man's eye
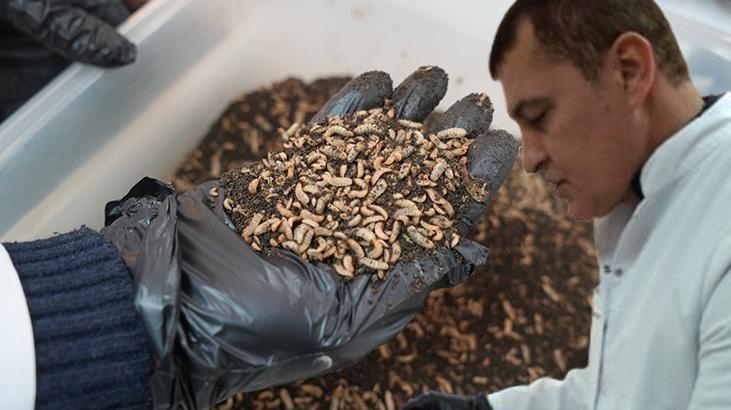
537,121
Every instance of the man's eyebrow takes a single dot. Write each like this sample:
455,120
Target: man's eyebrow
517,110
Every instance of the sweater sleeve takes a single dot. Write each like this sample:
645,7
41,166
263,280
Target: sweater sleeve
91,350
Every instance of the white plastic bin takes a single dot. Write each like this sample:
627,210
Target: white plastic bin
89,135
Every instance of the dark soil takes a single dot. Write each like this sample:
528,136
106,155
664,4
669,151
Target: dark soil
524,315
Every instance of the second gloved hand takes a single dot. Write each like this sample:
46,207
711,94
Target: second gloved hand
78,30
40,37
445,401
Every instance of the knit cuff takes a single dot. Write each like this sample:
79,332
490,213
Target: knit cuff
91,350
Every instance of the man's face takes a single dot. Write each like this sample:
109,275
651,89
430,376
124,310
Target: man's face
578,134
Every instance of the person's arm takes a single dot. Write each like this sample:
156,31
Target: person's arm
542,394
90,347
711,389
545,393
573,392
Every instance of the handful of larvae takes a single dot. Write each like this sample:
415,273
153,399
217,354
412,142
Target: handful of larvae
359,193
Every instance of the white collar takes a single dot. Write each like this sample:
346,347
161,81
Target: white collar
685,149
670,161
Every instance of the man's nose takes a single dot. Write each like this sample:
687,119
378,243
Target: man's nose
534,152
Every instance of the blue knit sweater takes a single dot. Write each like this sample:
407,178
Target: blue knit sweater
91,350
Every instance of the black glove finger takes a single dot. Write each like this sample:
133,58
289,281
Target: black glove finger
473,113
113,12
418,95
490,159
368,90
70,32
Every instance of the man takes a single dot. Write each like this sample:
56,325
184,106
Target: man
609,115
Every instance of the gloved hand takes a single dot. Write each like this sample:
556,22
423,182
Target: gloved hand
445,401
222,318
39,37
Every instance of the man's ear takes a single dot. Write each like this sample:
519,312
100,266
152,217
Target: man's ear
631,55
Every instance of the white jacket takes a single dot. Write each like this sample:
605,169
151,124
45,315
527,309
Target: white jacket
661,325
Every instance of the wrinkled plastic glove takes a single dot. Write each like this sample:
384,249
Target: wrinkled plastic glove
39,37
222,318
445,401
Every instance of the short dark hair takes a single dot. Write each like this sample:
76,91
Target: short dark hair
581,31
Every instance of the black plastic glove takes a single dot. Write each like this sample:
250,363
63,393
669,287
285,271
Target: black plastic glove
222,318
39,37
445,401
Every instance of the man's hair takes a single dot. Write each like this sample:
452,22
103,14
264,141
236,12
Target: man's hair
581,31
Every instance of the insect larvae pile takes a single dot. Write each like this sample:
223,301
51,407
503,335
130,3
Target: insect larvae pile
359,193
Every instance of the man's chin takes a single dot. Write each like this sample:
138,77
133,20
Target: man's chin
577,213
